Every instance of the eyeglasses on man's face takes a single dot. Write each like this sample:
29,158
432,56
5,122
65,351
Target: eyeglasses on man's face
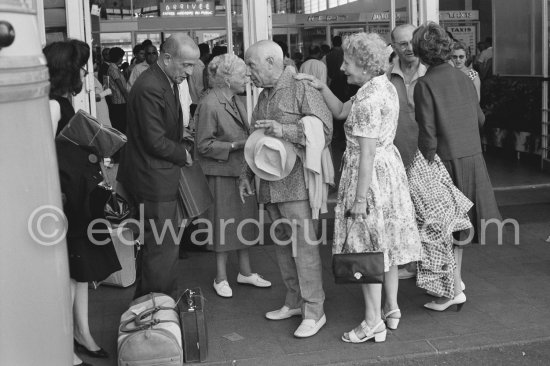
459,57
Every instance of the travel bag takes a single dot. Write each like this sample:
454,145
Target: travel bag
150,333
193,325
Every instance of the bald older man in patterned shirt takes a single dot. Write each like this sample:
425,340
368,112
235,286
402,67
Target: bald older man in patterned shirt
281,105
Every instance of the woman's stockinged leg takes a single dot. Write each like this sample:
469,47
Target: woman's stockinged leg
221,266
391,287
458,271
80,315
244,262
372,294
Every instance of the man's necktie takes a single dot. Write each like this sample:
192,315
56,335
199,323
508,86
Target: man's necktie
178,105
177,94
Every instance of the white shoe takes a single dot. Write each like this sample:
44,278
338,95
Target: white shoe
459,300
310,327
283,313
254,280
223,289
370,333
392,322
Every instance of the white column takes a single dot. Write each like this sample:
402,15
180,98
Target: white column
257,24
428,10
41,22
229,26
392,14
413,12
79,26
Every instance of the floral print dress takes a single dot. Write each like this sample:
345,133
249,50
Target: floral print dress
390,226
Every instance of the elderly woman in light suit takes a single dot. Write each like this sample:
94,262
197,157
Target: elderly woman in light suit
222,130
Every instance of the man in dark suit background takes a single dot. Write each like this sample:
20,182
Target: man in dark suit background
150,164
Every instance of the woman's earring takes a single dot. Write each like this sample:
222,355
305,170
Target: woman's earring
228,84
364,72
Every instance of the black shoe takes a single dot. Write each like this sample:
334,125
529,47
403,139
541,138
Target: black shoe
100,353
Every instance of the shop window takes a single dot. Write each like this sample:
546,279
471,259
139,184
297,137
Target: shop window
121,39
153,37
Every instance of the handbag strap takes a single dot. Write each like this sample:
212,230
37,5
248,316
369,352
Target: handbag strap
104,173
349,227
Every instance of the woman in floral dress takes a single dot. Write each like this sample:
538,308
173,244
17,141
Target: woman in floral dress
374,210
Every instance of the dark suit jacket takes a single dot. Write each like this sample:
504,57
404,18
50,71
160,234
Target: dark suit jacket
218,125
151,160
448,114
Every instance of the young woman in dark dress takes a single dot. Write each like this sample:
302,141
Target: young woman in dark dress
80,174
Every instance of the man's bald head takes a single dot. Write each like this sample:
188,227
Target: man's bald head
178,55
178,44
401,38
401,28
265,49
265,63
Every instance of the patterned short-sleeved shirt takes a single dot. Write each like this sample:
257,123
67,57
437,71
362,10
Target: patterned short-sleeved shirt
115,74
472,74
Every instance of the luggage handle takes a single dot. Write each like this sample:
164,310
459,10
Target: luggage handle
145,324
141,324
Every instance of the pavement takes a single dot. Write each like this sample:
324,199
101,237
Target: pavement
506,312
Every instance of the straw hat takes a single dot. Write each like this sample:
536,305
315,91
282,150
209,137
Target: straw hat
270,158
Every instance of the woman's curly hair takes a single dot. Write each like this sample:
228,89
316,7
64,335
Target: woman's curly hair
64,62
223,67
432,44
368,50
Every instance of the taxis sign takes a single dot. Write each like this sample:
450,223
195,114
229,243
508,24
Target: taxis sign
187,9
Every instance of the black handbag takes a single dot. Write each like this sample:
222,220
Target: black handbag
359,268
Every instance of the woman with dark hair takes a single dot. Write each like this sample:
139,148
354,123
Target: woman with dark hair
449,118
80,174
117,83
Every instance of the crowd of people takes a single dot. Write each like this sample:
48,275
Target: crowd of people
412,176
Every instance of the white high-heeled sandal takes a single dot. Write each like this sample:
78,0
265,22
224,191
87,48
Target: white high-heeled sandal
391,323
369,333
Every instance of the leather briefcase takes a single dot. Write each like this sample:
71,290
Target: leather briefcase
194,196
193,326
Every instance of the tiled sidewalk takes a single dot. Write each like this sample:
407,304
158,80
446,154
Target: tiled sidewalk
507,290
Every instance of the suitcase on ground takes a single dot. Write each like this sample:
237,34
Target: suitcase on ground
193,325
150,333
125,248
